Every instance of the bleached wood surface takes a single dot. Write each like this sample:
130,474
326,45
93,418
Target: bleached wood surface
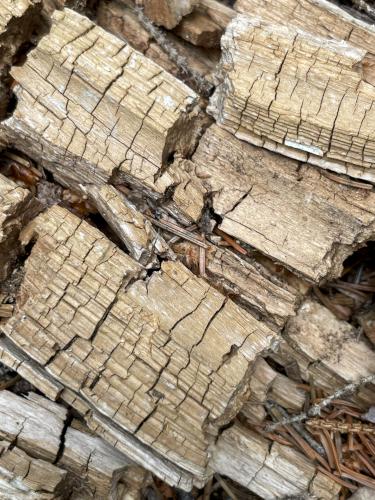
288,211
167,359
300,95
90,106
268,469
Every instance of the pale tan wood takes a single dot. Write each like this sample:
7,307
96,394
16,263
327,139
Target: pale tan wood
327,351
199,29
220,13
167,13
133,229
24,477
167,359
268,469
17,207
288,211
300,95
89,106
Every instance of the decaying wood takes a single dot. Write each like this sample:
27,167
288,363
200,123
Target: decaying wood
327,350
167,359
287,211
270,470
90,106
17,19
17,208
200,30
167,13
297,94
51,457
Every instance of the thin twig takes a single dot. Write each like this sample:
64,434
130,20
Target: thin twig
225,487
179,231
315,409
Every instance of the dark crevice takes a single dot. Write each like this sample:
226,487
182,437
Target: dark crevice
60,452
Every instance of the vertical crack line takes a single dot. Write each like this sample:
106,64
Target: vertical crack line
66,426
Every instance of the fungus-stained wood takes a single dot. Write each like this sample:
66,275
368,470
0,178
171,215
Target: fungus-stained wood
133,229
90,106
289,212
328,350
319,17
297,94
17,208
17,19
167,13
167,358
268,469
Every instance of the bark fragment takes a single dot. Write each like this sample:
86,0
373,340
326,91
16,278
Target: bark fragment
297,94
89,106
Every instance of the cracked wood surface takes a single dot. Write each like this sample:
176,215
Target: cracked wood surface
167,359
90,106
297,94
288,211
328,350
267,468
53,459
17,208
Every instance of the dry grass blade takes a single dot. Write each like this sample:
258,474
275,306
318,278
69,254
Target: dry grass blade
341,312
178,231
233,243
202,259
337,479
362,457
357,476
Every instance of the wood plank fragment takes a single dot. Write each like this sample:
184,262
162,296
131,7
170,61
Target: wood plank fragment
288,211
269,470
297,94
17,208
327,350
167,359
199,29
167,13
90,106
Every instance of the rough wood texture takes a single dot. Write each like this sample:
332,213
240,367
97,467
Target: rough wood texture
297,94
327,349
167,359
167,13
90,106
268,469
319,17
220,13
17,208
17,19
200,30
133,229
289,212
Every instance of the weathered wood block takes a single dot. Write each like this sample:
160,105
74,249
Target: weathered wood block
297,94
289,212
90,106
167,13
167,359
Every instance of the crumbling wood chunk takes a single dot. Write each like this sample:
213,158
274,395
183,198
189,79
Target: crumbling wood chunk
133,229
297,94
17,208
220,13
90,106
256,287
319,17
289,212
266,468
25,477
167,359
327,351
199,29
167,13
17,19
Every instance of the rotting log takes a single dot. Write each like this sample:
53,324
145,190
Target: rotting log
289,212
298,94
17,20
17,208
327,351
165,359
268,469
90,106
41,453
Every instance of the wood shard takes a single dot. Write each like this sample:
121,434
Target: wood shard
17,208
297,94
166,359
90,106
200,30
269,470
327,349
289,212
167,13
